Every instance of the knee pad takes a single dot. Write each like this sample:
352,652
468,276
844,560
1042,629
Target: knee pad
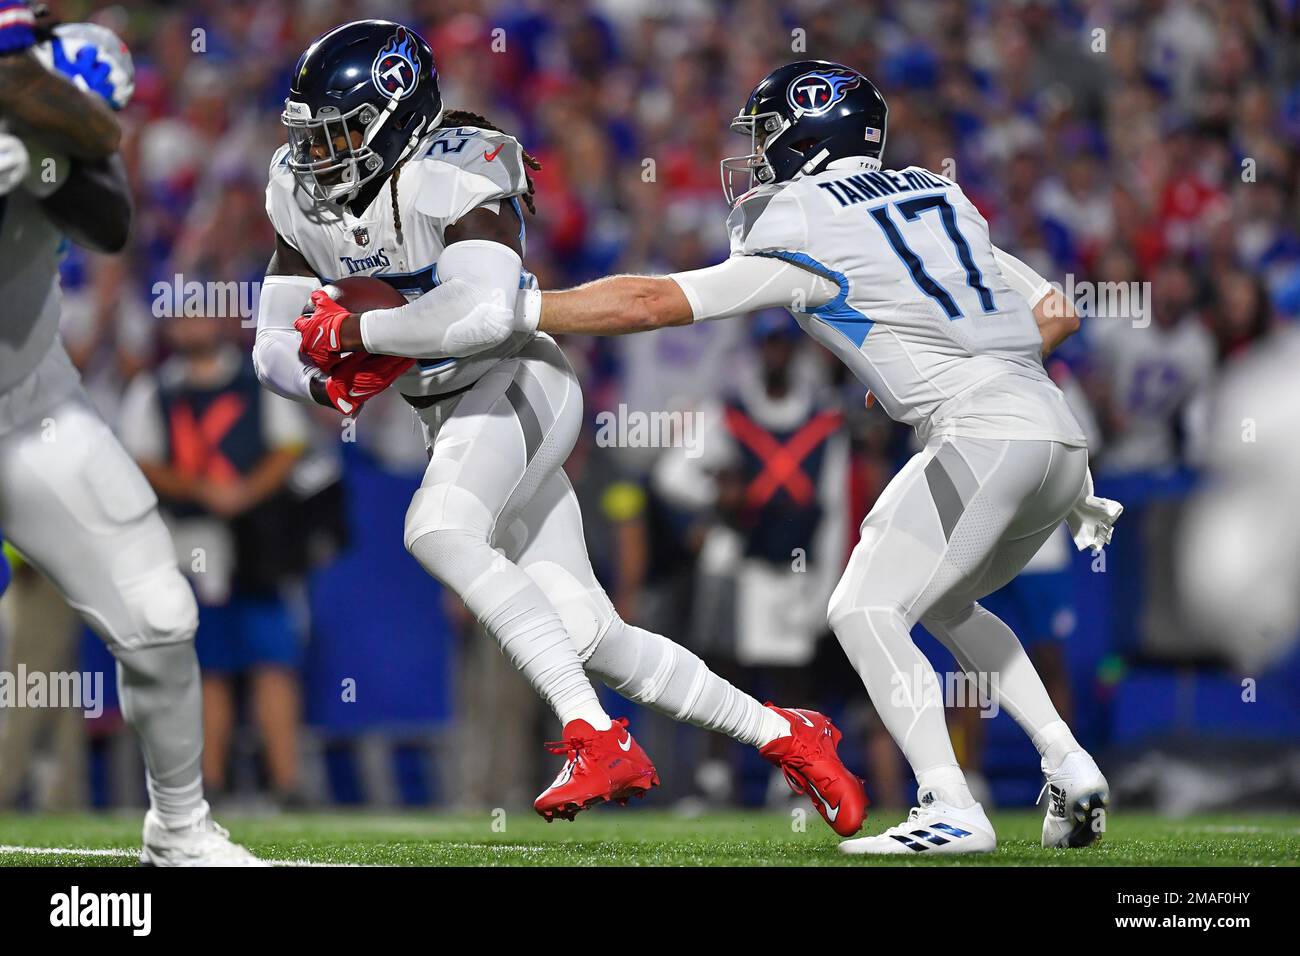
156,609
847,601
163,609
851,624
445,506
585,612
840,604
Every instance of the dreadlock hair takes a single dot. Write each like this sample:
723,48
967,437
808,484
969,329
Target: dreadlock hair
450,120
392,194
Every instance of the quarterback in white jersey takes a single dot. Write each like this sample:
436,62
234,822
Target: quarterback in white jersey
71,499
378,179
893,271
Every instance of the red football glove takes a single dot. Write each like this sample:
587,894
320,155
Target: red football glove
362,376
320,330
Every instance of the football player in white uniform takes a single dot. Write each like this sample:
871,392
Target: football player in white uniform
378,179
893,271
71,499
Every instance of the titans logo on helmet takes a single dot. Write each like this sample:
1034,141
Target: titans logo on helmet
815,93
397,67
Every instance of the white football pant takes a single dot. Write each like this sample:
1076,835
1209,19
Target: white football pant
78,508
957,522
497,522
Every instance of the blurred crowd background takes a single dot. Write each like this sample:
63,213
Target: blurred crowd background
1151,143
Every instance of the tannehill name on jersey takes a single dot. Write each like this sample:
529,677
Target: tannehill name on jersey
925,318
863,186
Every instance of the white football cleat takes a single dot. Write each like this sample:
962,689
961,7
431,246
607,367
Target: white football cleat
201,843
933,827
1077,797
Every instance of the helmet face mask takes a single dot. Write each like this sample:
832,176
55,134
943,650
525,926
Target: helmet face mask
752,169
364,96
328,154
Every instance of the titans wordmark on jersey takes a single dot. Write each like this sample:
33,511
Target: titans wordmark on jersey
924,316
461,169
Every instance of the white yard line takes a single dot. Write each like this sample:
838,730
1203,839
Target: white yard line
60,851
134,854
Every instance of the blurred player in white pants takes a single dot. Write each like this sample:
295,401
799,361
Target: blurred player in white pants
71,499
893,271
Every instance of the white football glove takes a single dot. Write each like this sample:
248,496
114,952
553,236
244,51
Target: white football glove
14,163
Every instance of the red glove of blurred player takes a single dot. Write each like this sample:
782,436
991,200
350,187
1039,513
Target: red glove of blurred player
320,330
362,376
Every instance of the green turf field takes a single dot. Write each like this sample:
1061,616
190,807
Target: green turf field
610,836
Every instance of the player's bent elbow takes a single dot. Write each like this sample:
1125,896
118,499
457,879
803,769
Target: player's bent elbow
260,345
1068,318
659,304
265,363
1057,311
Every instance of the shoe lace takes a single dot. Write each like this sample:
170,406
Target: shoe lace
797,761
210,832
571,747
574,745
794,781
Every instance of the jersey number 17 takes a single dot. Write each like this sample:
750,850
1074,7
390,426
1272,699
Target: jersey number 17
911,210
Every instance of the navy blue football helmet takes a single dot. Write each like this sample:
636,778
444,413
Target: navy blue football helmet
801,118
363,97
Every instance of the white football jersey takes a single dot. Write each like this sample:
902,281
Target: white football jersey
924,317
29,286
461,169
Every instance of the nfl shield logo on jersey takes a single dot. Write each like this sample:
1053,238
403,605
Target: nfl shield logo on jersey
361,236
397,66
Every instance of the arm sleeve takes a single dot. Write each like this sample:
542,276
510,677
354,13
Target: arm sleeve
749,283
275,352
1021,278
471,309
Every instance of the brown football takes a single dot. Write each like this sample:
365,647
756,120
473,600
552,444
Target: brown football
364,293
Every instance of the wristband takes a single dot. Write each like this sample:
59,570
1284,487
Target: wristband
528,310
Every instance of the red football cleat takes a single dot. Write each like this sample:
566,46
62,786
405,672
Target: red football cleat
601,765
812,767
